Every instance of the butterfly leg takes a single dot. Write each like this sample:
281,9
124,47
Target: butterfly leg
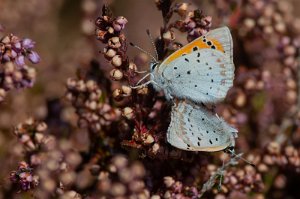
143,78
143,85
167,93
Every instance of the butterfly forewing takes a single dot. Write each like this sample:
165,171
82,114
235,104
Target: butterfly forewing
222,36
203,76
195,129
218,39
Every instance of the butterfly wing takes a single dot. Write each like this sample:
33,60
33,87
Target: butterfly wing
193,128
202,76
218,39
174,135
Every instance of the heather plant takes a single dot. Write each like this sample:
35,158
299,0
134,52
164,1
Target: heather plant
116,146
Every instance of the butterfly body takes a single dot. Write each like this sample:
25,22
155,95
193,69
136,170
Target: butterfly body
200,72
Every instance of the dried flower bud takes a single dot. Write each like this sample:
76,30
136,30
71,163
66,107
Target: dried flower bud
95,169
128,113
169,36
116,74
34,57
100,34
149,139
8,68
132,66
249,23
119,23
2,94
91,85
117,61
117,94
71,83
126,90
41,127
114,42
169,181
143,91
110,30
274,148
241,99
155,197
155,148
181,9
110,52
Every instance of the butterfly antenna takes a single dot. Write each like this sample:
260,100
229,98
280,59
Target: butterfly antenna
152,42
136,46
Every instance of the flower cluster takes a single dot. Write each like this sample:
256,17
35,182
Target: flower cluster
91,106
175,189
242,180
195,23
109,32
51,163
16,50
122,180
14,72
56,170
115,116
24,177
284,156
31,134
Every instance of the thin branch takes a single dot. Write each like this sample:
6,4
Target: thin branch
210,183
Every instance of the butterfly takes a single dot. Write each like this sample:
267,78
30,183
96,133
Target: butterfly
194,128
200,72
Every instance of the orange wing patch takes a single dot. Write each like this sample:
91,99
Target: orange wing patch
200,43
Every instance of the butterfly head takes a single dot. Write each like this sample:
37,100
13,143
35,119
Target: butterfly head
153,65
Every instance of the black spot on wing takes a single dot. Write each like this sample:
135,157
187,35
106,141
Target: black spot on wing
195,48
210,141
198,55
188,72
186,59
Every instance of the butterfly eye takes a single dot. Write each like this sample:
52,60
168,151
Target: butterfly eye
153,65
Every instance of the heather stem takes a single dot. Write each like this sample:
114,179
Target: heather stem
209,184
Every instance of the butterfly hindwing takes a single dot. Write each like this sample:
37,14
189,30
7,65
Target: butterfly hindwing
195,129
174,135
202,76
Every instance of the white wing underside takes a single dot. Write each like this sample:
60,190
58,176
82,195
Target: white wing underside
204,76
193,128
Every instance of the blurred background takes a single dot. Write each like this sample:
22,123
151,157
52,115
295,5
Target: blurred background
64,34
